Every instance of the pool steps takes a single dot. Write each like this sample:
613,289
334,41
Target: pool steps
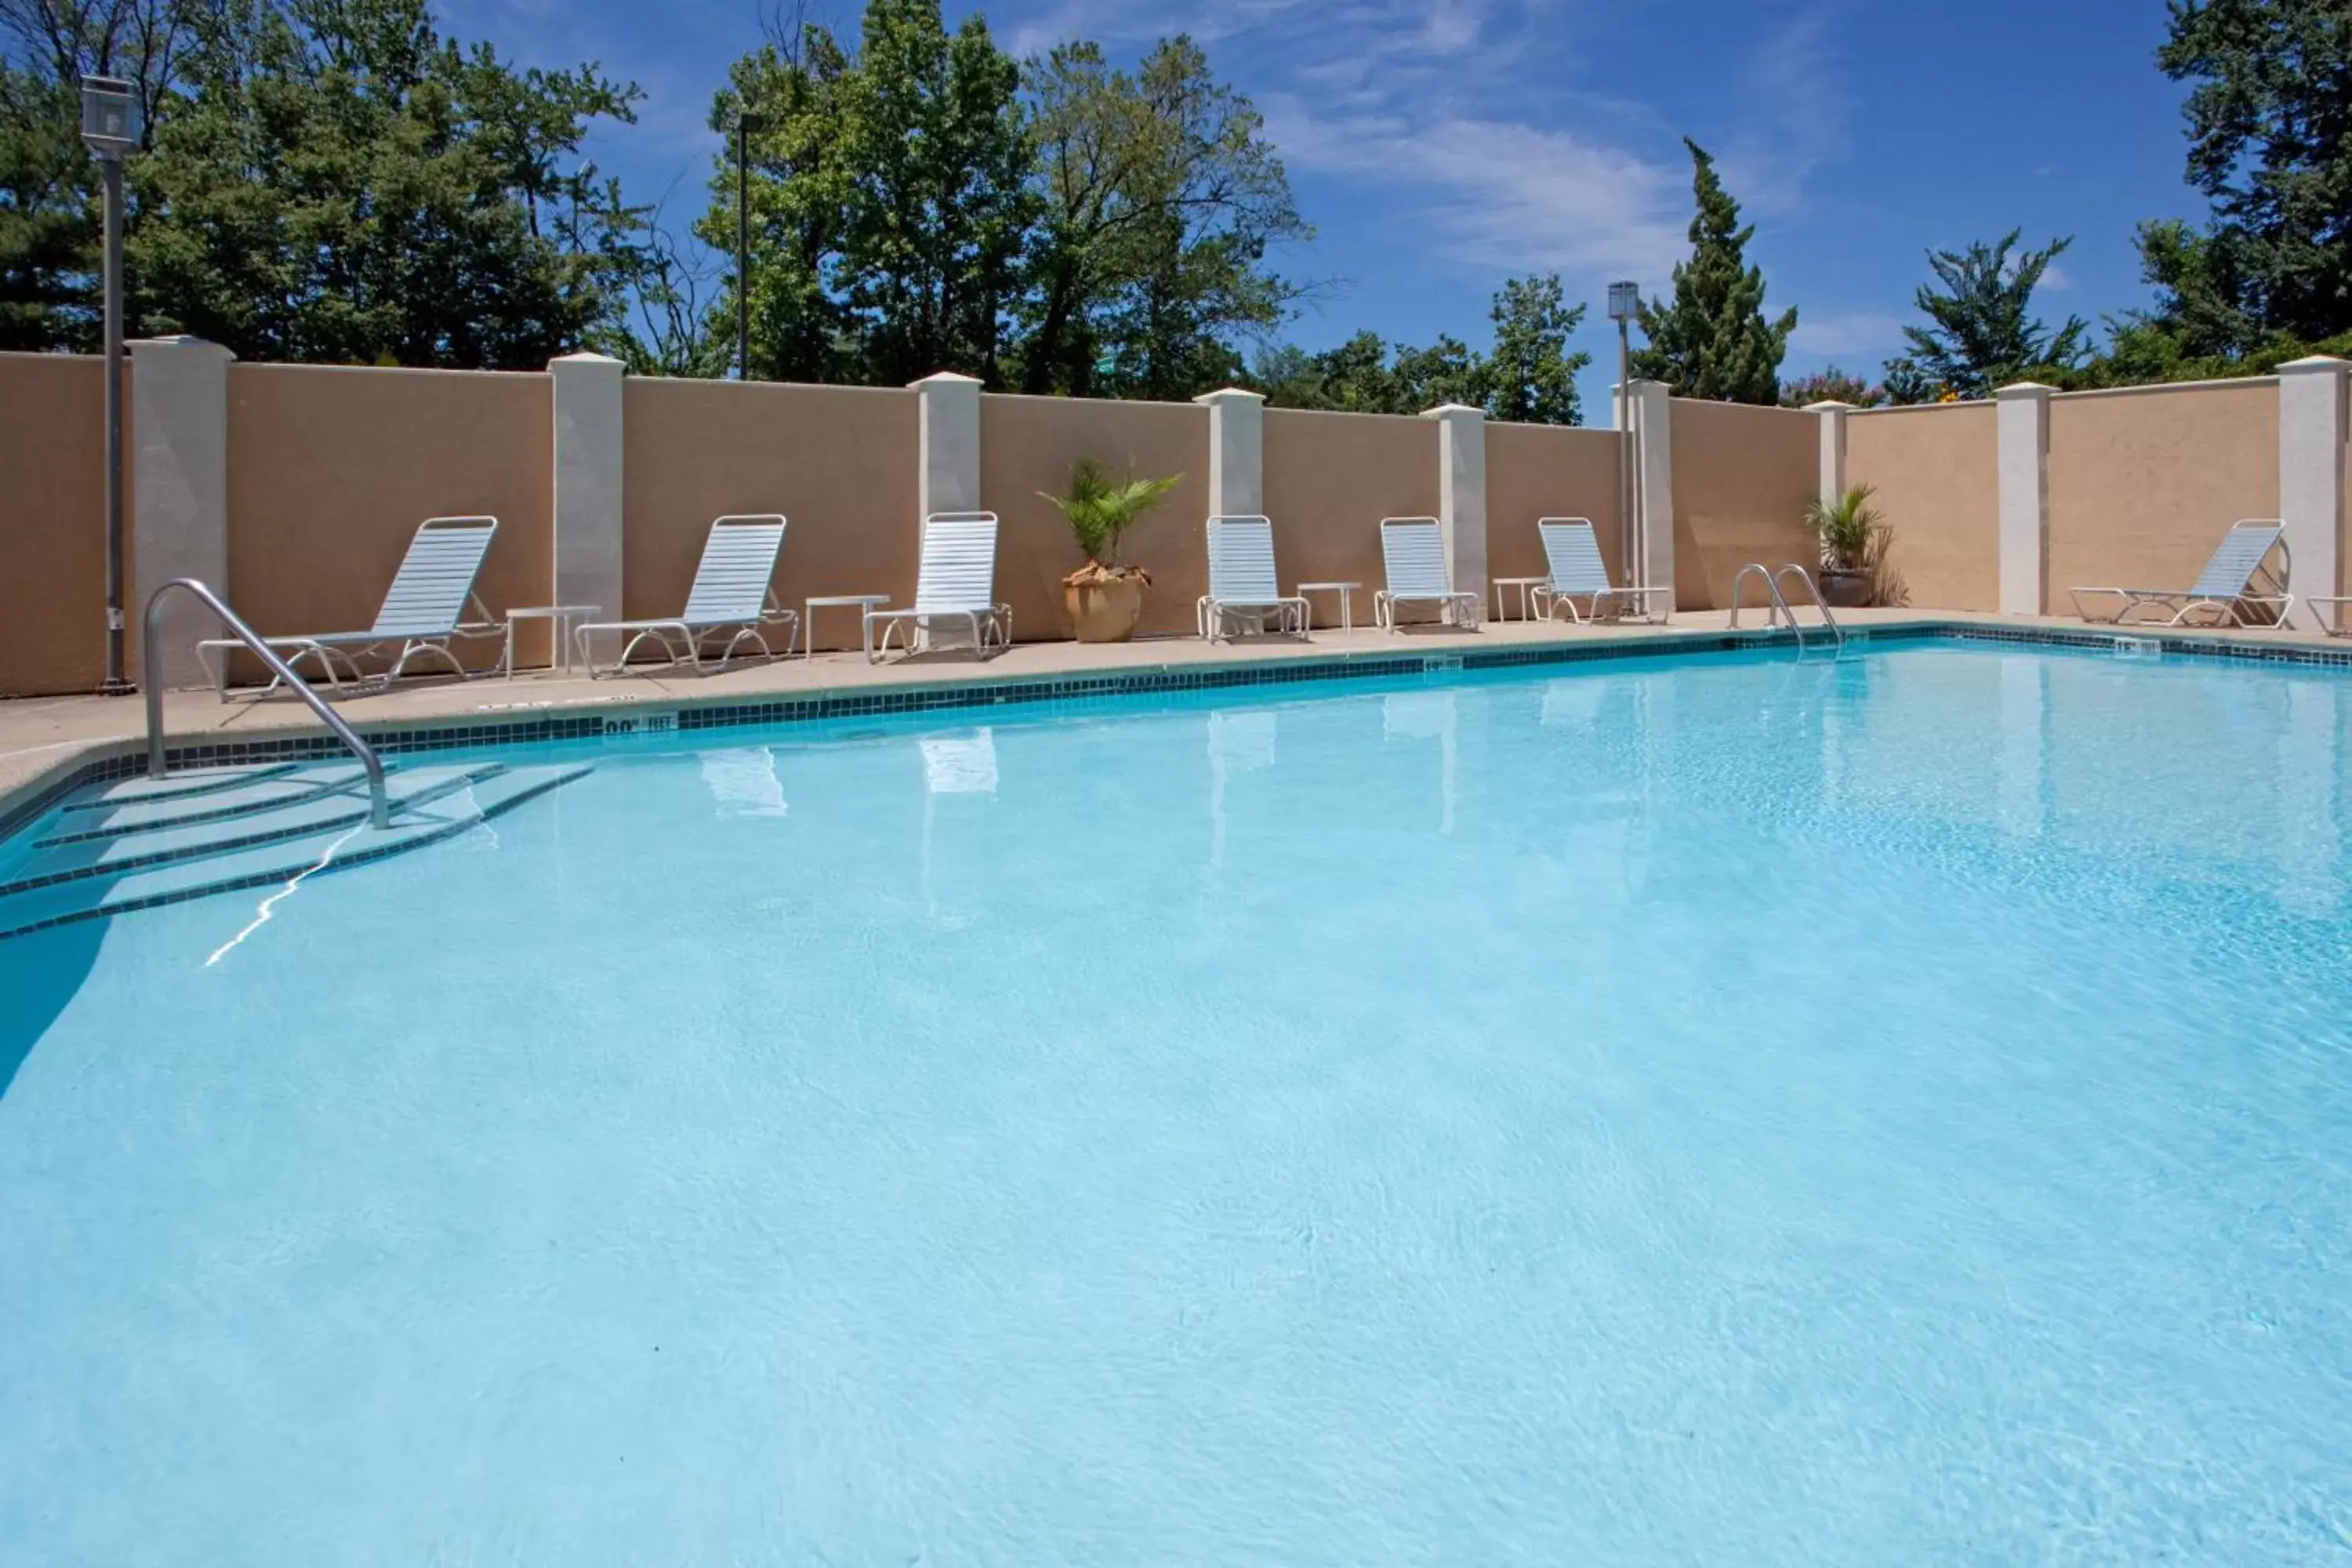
271,826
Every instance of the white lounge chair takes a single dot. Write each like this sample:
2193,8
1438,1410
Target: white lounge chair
732,593
954,582
1413,549
422,613
1242,581
2236,577
1573,555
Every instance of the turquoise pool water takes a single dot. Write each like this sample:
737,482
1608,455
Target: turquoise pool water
1727,1112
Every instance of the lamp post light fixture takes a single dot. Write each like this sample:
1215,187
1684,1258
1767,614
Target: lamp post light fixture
110,129
745,123
1625,304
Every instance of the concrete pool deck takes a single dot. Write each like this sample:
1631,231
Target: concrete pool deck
44,738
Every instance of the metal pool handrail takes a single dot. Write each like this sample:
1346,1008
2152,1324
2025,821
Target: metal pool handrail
1820,604
151,659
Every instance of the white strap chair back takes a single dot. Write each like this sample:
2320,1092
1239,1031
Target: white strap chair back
1413,549
2240,555
738,559
428,593
1241,560
958,573
1573,554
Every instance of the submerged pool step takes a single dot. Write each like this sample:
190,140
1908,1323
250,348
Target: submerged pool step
453,810
186,782
206,835
106,819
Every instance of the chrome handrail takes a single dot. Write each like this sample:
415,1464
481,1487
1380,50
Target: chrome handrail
151,659
1814,591
1773,612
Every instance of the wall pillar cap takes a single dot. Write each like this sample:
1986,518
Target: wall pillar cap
1231,394
585,356
1829,405
945,378
2024,389
1452,411
180,341
2310,363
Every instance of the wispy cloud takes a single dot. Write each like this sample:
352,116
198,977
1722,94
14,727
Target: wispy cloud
1866,335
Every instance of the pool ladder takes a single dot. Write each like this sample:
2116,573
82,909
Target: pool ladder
1777,612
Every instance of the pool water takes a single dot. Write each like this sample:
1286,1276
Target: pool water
1731,1110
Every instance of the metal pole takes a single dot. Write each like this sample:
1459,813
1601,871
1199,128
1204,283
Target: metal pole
1629,482
742,248
114,685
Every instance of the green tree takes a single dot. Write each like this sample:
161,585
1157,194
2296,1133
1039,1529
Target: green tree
1713,339
50,219
1159,200
2270,146
1530,377
339,183
1982,332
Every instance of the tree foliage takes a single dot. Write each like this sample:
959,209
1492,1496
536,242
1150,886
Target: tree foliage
2270,147
323,180
1981,332
1712,339
1528,375
1830,384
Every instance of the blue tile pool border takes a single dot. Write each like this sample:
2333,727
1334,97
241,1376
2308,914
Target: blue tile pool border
670,714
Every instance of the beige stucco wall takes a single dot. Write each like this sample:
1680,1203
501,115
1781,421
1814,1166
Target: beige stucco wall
1027,447
1937,470
1330,479
53,523
1742,477
331,469
1548,470
2142,484
839,462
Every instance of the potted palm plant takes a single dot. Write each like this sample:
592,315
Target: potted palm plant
1853,538
1105,594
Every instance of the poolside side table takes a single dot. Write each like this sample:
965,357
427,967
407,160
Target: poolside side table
1526,587
567,618
809,607
1346,592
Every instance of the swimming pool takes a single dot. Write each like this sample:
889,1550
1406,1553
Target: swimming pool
1725,1109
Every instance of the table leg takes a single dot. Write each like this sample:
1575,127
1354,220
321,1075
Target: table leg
510,647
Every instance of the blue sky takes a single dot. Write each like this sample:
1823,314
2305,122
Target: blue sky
1439,148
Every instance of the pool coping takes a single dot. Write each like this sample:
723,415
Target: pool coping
627,712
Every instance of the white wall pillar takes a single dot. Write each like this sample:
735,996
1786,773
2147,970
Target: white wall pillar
2311,474
588,442
2023,430
1654,482
1236,452
1829,421
179,489
1461,493
949,477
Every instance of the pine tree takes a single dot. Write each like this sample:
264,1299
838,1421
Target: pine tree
1981,332
1713,341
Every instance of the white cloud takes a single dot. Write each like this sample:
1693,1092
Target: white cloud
1505,194
1847,335
2054,279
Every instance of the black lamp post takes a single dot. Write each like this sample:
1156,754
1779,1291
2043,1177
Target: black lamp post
1625,303
745,123
110,129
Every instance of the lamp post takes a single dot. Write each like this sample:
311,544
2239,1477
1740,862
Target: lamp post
110,129
1625,303
745,123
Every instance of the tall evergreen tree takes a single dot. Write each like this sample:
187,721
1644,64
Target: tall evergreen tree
2270,146
1713,339
1981,332
1530,377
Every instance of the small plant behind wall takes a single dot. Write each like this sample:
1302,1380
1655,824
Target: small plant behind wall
1100,513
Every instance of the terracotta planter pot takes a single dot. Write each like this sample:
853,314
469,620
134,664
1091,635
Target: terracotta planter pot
1847,590
1104,610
